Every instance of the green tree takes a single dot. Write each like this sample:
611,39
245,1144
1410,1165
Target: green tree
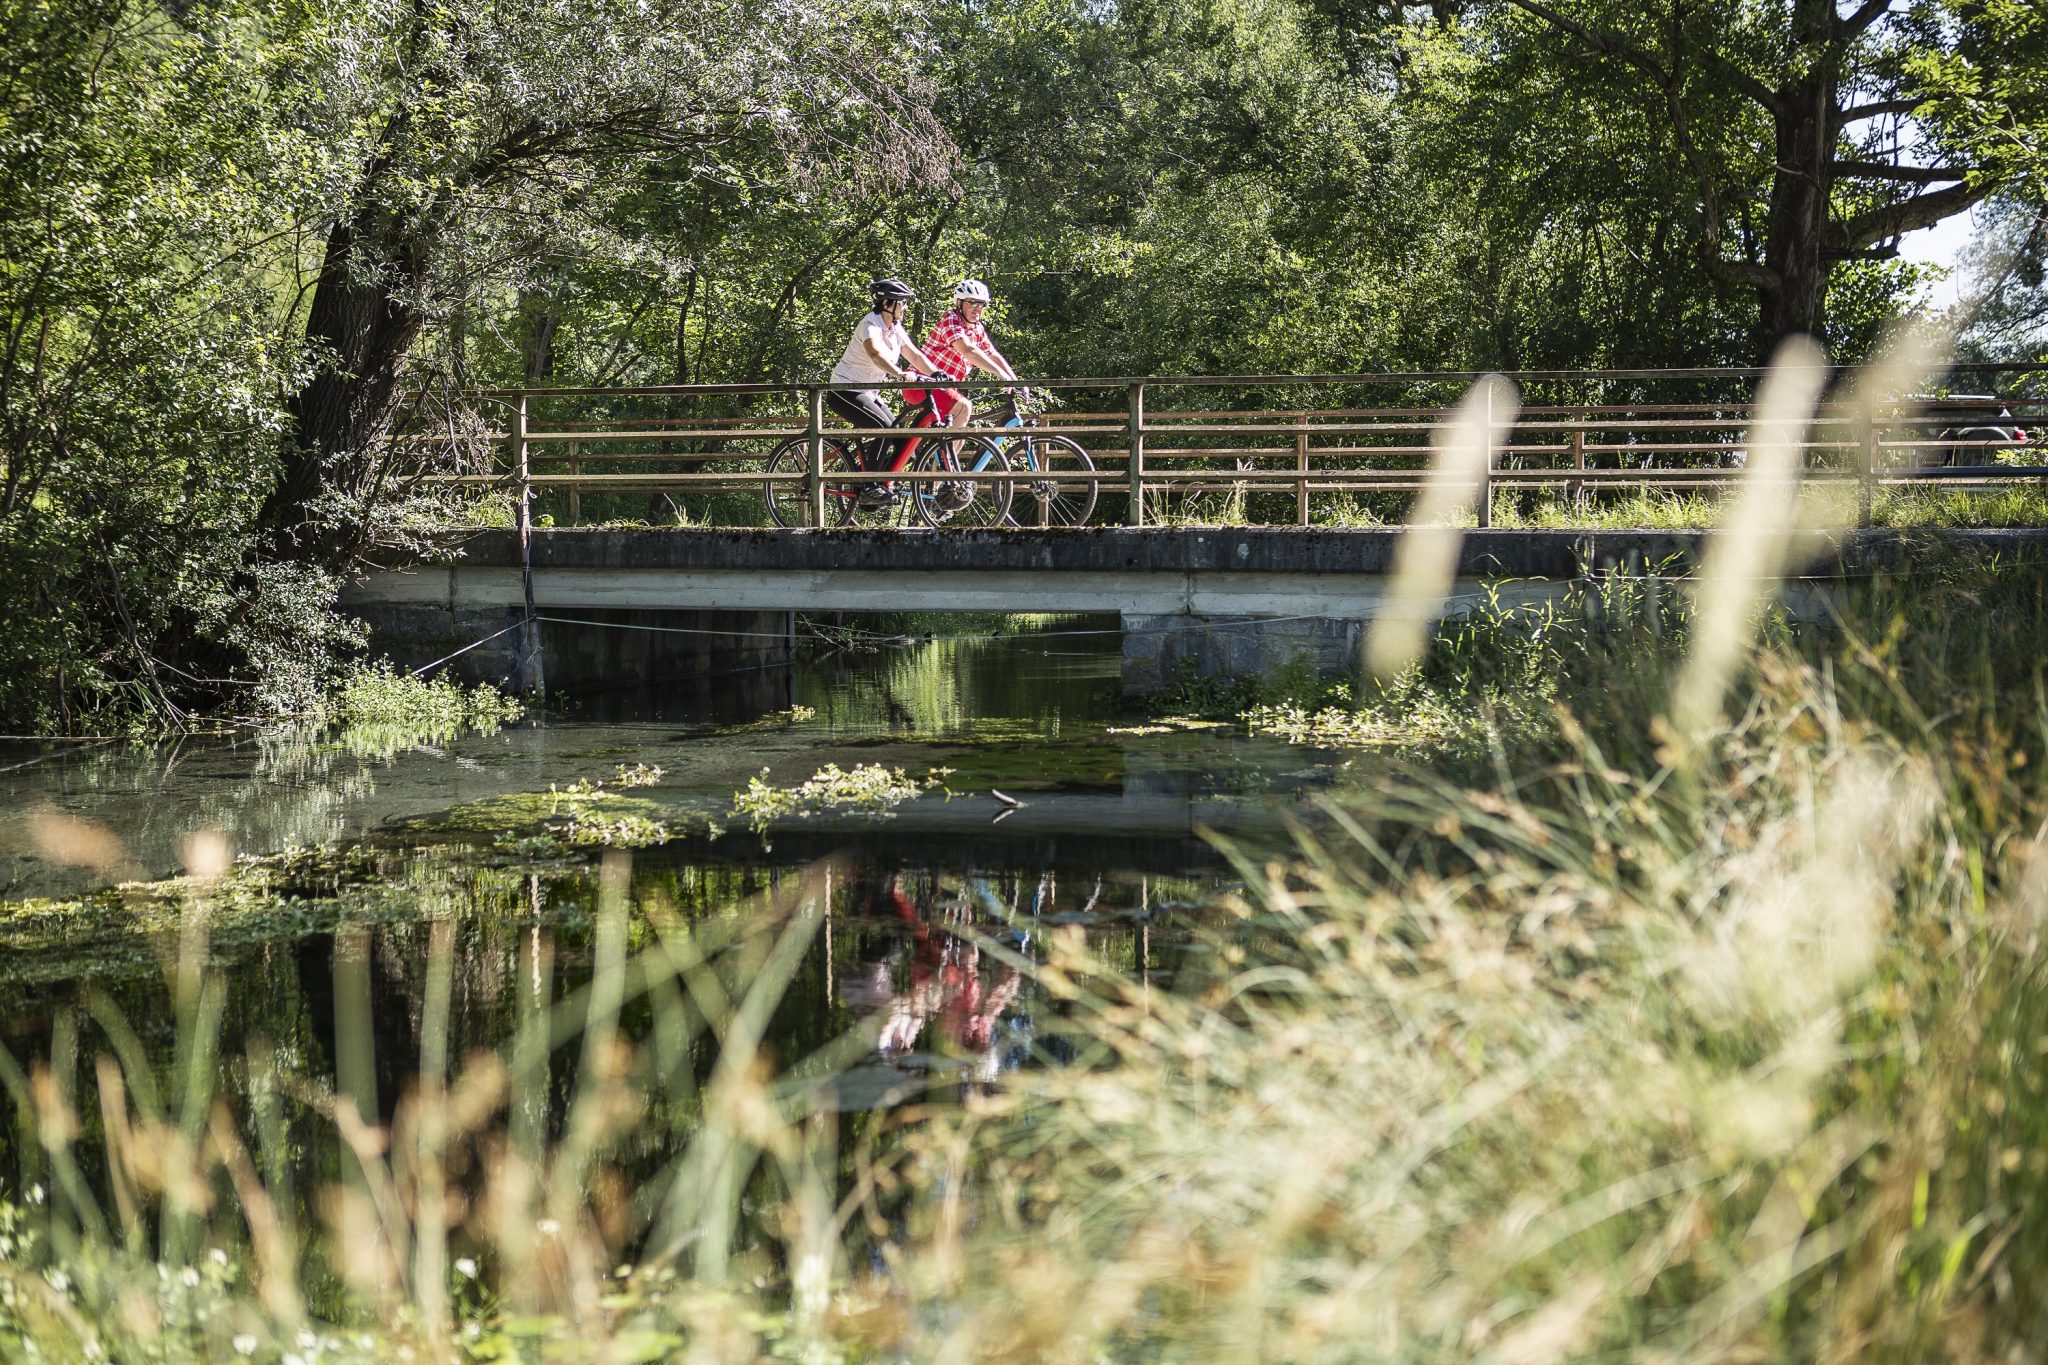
1815,134
482,132
149,176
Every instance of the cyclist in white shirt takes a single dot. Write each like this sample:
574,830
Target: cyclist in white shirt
875,355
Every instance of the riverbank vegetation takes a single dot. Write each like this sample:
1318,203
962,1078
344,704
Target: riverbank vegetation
254,249
1605,1038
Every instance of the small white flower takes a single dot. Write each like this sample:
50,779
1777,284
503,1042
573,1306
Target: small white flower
188,1277
35,1194
471,1331
219,1257
465,1267
59,1281
245,1344
309,1341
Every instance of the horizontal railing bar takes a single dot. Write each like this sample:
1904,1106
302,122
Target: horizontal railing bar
1241,380
597,433
556,437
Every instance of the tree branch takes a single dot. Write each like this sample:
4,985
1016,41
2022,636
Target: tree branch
1908,215
1749,85
1876,109
1599,42
1853,26
1885,170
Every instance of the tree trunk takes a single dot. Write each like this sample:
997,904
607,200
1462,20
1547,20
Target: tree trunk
343,414
539,316
683,328
1796,229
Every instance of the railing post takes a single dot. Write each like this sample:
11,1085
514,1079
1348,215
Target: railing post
814,454
576,489
1301,471
1866,477
1137,459
532,675
1579,461
1486,474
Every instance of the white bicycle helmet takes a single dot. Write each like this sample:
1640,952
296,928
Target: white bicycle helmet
970,291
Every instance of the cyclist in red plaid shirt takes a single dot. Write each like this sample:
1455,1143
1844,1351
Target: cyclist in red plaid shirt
960,343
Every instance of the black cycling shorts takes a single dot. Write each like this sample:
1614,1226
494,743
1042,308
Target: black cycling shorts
862,407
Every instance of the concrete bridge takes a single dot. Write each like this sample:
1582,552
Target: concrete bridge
1229,600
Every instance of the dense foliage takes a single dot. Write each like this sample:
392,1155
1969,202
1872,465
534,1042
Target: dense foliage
242,242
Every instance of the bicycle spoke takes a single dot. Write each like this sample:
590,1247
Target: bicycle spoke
967,501
1045,502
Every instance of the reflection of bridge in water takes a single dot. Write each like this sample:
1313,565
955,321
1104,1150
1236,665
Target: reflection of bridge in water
616,604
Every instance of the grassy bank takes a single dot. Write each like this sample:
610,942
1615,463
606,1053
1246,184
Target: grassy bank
1582,1037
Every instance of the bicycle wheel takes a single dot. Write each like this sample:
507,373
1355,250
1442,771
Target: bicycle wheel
967,502
1050,502
789,504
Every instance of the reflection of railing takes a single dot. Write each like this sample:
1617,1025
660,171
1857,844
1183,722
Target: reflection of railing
1259,448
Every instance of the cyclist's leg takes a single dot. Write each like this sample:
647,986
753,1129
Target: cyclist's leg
954,409
863,408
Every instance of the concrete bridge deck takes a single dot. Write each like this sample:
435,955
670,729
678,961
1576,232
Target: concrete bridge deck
1147,571
1171,587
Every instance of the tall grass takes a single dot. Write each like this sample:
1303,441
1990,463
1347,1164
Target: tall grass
1618,1039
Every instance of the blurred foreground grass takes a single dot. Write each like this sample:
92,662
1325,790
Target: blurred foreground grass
1573,1040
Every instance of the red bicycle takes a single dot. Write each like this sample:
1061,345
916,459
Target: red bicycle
936,501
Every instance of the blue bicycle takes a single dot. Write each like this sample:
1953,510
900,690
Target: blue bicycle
1066,501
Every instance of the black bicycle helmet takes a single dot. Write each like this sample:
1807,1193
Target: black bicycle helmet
891,291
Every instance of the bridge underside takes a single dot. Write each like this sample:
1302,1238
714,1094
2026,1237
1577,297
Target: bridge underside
1218,600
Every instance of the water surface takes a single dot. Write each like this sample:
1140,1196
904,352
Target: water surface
918,929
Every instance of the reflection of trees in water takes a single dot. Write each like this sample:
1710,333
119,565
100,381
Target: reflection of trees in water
946,686
430,959
280,787
152,796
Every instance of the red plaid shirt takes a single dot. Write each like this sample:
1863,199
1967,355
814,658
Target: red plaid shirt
938,347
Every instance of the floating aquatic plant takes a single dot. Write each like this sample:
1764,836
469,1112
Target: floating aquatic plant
867,787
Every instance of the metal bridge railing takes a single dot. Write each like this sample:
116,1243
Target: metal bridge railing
1242,449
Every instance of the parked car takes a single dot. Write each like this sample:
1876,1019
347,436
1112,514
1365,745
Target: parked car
1974,429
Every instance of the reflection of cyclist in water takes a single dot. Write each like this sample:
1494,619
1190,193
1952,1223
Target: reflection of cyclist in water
946,986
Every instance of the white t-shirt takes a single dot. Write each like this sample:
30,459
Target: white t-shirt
857,366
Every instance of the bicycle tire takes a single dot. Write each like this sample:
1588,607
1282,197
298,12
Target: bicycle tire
1050,503
987,503
789,504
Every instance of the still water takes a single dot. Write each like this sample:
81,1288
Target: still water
924,923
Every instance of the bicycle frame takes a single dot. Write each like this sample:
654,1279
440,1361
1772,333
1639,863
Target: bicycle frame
1002,444
925,416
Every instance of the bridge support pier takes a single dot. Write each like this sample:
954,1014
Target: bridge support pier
1158,650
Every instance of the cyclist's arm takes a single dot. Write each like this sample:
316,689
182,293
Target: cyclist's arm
919,359
990,359
910,353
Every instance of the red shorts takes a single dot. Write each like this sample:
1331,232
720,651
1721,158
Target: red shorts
943,401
